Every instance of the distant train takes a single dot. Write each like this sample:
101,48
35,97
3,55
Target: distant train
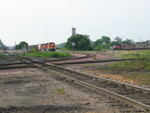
44,47
131,46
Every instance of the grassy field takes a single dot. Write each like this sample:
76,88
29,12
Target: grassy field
47,54
143,63
135,71
134,54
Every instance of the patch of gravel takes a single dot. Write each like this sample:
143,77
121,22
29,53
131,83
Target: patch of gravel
33,91
8,59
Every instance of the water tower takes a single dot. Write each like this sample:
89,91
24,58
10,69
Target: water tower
73,31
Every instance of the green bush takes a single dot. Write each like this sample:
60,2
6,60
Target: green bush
147,68
33,50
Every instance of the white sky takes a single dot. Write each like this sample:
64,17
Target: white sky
40,21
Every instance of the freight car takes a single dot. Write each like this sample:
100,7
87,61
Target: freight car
44,47
131,46
36,47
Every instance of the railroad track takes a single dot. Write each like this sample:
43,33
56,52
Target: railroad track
25,64
92,61
65,63
15,65
51,60
130,97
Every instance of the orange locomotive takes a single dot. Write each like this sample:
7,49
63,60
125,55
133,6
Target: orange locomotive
44,47
51,46
48,47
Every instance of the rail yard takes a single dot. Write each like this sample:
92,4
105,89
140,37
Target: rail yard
74,56
54,85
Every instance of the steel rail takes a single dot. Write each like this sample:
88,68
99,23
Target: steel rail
109,93
71,58
94,61
52,60
15,63
15,67
76,62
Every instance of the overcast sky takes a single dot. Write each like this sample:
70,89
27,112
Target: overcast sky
41,21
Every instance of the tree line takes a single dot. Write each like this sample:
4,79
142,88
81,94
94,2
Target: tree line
21,45
83,42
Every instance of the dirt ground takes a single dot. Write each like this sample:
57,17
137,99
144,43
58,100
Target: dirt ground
35,90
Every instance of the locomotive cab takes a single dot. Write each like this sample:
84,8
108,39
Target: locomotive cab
51,46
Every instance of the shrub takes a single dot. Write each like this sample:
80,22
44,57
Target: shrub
33,50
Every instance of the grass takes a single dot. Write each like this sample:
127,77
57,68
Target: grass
2,57
143,63
94,58
135,71
141,78
60,91
139,65
134,77
138,70
47,54
134,54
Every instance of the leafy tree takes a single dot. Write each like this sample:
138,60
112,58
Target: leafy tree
2,46
78,42
144,42
22,45
118,40
59,46
103,43
106,39
114,43
128,41
147,42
